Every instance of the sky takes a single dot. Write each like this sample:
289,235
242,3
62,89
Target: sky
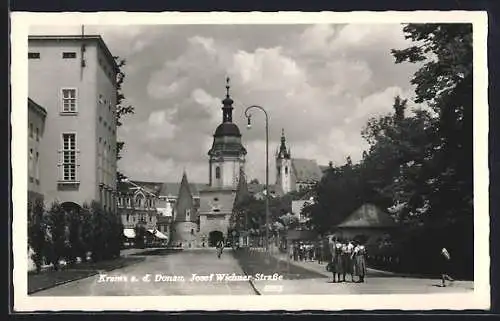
320,83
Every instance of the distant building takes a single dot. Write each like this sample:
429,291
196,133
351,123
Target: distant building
295,174
36,127
74,78
368,223
137,208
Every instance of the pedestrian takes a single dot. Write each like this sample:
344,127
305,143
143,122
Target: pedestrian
347,250
359,258
320,252
337,265
220,247
445,266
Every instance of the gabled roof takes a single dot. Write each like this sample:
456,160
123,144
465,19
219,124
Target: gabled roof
36,107
170,189
368,215
306,170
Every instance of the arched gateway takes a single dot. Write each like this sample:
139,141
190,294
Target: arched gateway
214,237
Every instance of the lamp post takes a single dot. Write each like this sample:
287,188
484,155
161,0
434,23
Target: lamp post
249,124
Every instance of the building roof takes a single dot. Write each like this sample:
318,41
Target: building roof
306,170
96,38
37,108
211,201
368,215
170,189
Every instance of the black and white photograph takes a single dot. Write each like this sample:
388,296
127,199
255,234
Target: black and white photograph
329,161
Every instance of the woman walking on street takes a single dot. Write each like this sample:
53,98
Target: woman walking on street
359,258
220,247
445,266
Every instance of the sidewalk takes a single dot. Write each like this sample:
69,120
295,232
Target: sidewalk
380,282
321,268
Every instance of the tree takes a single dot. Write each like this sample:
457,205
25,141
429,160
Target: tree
36,232
444,82
122,109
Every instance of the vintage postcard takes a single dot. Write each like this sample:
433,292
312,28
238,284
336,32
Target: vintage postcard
250,161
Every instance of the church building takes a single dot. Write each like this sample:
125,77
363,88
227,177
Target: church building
295,174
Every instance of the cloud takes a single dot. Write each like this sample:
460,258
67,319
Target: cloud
321,83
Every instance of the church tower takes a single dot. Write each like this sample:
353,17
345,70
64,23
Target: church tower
227,155
283,166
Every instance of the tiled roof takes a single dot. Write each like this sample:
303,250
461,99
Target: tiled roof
222,200
170,189
368,215
306,170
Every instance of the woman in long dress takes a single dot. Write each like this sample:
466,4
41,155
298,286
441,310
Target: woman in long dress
359,258
337,261
347,261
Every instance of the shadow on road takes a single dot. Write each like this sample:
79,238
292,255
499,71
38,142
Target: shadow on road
252,262
165,251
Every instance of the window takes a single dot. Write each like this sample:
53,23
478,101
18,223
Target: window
68,100
216,199
128,217
37,134
69,55
31,130
30,164
192,231
69,157
37,169
33,55
286,169
188,214
217,172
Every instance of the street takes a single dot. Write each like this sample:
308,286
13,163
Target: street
196,272
202,262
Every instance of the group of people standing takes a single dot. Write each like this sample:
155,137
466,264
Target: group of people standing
348,258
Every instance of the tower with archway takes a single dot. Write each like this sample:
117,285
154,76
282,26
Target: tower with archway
226,161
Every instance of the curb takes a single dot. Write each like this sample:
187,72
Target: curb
81,277
62,282
254,287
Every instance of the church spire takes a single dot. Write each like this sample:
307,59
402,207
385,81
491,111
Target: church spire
227,108
283,150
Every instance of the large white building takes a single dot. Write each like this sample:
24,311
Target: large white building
74,78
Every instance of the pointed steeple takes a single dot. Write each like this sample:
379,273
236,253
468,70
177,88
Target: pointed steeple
283,153
184,201
227,108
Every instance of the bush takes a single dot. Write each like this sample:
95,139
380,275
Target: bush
36,232
86,233
98,222
58,234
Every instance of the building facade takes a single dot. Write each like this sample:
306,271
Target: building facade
74,78
137,208
36,127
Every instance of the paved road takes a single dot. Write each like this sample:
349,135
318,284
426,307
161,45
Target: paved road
181,265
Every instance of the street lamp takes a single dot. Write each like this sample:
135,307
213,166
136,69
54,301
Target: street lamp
249,125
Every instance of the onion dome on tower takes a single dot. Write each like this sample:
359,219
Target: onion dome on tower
227,136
